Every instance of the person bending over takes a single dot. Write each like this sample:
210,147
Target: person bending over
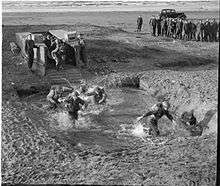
155,113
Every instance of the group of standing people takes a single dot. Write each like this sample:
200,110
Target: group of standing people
177,28
62,53
58,51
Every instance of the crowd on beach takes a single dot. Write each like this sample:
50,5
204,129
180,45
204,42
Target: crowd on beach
186,29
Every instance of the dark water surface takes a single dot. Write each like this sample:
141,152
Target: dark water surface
110,126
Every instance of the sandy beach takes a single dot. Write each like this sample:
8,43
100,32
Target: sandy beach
137,69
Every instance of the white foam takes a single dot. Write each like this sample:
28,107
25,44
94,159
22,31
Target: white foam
61,121
138,130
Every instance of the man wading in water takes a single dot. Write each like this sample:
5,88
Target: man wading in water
73,104
155,113
55,94
98,93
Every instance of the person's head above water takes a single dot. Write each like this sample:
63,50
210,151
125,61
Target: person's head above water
83,88
166,105
74,94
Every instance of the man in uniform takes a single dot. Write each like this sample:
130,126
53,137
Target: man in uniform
139,23
29,49
98,93
191,124
155,113
83,89
188,118
73,104
56,54
207,30
193,30
169,27
187,30
82,45
173,28
47,41
63,53
213,30
218,32
199,30
164,27
153,24
158,22
55,94
52,44
179,27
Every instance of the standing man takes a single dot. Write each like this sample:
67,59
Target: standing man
155,113
186,30
199,29
82,45
213,30
179,27
173,28
153,23
139,23
158,22
63,53
47,41
207,30
29,49
169,27
56,54
193,31
164,27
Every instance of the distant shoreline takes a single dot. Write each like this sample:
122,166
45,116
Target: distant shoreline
126,20
97,11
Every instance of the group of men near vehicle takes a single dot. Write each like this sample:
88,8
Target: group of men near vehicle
178,28
77,100
58,51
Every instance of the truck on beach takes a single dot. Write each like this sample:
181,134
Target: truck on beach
171,13
42,62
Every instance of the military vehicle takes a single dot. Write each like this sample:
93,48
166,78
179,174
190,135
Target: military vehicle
171,13
42,63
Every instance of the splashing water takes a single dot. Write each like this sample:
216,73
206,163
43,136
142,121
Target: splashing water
83,122
139,130
63,120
